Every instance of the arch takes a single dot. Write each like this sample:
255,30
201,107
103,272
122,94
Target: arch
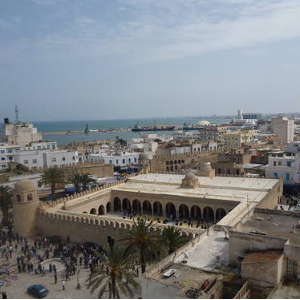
147,208
170,210
29,197
126,205
136,206
195,212
101,210
93,211
208,214
117,204
108,207
157,209
183,211
220,214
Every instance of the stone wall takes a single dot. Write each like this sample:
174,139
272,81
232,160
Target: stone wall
96,169
79,229
94,228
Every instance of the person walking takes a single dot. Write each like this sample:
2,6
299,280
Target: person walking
63,285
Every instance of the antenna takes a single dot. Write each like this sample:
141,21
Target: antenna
17,114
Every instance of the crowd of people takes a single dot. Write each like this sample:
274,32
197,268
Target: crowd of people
32,256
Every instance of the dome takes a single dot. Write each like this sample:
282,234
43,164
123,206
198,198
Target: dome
206,166
190,180
24,185
190,175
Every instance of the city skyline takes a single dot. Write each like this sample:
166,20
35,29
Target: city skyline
90,60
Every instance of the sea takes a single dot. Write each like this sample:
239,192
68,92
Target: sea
63,139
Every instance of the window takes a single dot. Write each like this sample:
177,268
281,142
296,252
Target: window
2,151
123,161
2,158
117,161
110,161
34,161
287,177
63,159
135,159
25,161
53,159
275,175
279,163
29,197
129,160
274,163
289,163
73,157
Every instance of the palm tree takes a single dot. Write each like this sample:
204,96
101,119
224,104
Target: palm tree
5,203
142,241
81,180
75,178
172,239
115,274
52,177
86,180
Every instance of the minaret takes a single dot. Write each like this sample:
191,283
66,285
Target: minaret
25,205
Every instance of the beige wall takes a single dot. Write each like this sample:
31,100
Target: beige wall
272,199
265,274
159,162
79,231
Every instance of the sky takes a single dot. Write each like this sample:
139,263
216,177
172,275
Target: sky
110,59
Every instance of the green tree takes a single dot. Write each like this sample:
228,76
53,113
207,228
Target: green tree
81,180
141,240
75,179
172,239
86,180
52,177
115,274
5,203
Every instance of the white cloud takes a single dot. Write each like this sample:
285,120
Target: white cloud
152,30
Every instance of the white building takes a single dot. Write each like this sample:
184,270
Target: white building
285,164
117,159
21,134
210,146
284,129
7,153
46,159
41,145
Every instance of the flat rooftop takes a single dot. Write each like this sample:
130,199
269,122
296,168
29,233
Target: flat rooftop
280,224
237,189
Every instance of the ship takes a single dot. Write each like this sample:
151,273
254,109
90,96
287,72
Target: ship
138,128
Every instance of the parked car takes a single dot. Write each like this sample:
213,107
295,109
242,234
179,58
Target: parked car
37,291
169,273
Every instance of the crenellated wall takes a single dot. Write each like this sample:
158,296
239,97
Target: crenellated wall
79,227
